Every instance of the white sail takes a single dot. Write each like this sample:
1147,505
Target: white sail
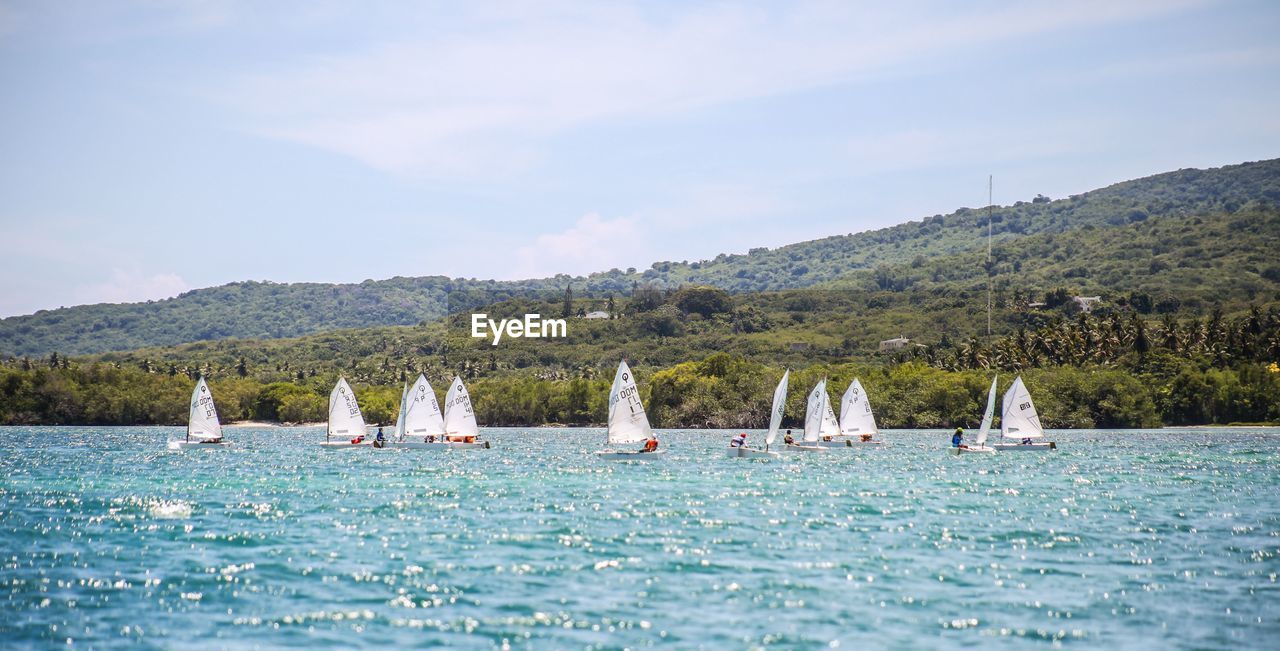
779,406
1018,419
459,419
400,415
815,412
830,426
423,417
856,418
203,424
345,420
988,415
627,421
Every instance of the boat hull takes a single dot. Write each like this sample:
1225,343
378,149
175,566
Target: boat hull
438,445
847,443
803,448
344,445
1026,447
744,452
971,450
636,455
196,445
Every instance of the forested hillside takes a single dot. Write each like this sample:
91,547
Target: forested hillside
936,250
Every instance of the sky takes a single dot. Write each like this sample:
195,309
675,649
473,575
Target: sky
148,148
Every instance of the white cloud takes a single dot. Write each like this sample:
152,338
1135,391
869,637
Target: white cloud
483,98
131,286
591,244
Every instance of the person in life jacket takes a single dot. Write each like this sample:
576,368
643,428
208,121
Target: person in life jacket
738,441
957,439
651,445
379,440
788,439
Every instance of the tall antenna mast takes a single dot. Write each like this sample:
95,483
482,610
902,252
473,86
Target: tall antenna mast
989,208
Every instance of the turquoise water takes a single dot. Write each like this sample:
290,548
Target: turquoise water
1133,539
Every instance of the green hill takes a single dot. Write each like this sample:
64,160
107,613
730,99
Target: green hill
873,259
1183,267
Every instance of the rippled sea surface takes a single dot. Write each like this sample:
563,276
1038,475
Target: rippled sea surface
1118,539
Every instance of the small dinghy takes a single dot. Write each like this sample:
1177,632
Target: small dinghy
1019,422
461,431
420,425
628,424
204,430
775,421
857,423
818,418
346,430
980,444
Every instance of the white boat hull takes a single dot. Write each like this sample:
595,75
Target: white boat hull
744,452
635,455
345,445
1026,447
971,450
439,445
846,443
803,448
198,445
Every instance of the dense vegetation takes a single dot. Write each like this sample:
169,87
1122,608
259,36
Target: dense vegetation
938,251
1113,368
720,391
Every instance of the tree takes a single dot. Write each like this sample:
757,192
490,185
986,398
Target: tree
566,309
241,368
704,300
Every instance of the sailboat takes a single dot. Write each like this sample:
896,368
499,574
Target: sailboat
461,432
346,428
420,424
857,423
775,421
980,444
1020,422
628,424
204,431
818,420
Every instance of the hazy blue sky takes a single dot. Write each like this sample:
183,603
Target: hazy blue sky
151,147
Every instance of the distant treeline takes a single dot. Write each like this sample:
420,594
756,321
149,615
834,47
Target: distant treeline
720,391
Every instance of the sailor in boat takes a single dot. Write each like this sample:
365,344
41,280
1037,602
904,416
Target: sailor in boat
379,440
866,438
788,439
1026,441
957,439
357,440
738,441
651,445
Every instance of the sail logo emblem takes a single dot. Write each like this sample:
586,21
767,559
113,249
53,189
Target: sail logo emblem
531,326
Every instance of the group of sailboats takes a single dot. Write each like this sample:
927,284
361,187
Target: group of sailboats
1019,424
421,424
857,424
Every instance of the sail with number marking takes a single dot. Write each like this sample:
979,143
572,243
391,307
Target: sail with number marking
203,424
422,410
1018,419
459,418
779,406
627,420
345,419
856,418
815,412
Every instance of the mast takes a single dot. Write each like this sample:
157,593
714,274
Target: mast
989,207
